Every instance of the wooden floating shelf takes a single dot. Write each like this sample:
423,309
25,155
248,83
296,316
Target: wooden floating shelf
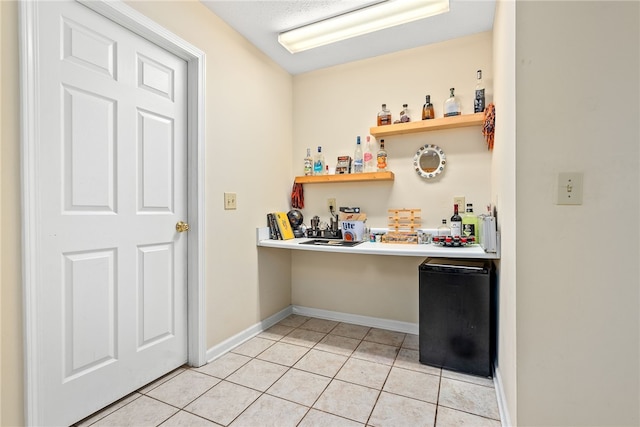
452,122
348,177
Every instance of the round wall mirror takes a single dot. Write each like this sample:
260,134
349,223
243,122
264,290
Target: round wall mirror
429,161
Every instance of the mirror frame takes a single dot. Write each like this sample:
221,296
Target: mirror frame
425,149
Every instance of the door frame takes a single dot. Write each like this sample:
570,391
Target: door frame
141,25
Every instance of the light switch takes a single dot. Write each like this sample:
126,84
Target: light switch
569,188
229,201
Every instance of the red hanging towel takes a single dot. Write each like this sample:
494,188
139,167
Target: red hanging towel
297,196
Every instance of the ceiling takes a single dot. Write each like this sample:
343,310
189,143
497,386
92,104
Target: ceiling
260,22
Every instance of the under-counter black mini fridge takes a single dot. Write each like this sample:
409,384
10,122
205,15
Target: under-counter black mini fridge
457,315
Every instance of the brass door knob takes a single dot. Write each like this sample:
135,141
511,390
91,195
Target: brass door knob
182,226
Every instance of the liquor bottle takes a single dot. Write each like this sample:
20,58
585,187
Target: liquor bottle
444,229
456,222
405,115
451,105
358,160
427,109
384,116
381,157
369,165
308,163
470,222
478,101
318,162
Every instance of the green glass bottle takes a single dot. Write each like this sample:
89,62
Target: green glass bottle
470,222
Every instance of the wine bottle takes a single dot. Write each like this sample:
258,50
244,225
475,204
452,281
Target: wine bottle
478,101
382,157
384,116
456,222
427,109
469,222
451,105
358,160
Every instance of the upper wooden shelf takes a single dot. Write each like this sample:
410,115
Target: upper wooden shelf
475,119
349,177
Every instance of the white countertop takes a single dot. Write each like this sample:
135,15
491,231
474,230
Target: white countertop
369,248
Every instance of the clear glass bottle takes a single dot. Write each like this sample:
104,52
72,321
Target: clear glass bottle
405,115
451,105
444,229
369,164
318,162
381,157
358,158
456,222
384,116
427,109
478,101
308,163
469,222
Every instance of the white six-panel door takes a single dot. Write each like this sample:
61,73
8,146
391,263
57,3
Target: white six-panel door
112,184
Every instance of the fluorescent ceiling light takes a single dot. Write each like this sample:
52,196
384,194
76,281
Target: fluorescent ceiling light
359,22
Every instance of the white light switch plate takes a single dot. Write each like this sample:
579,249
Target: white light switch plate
569,188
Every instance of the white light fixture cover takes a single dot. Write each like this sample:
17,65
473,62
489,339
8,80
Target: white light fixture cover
359,22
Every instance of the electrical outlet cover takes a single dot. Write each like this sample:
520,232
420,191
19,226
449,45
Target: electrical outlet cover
459,200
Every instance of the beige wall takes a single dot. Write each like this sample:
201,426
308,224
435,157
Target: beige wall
503,186
10,290
334,105
575,312
577,92
248,147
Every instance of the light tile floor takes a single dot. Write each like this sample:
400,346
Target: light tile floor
311,372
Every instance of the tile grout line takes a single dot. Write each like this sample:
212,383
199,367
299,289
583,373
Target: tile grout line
351,356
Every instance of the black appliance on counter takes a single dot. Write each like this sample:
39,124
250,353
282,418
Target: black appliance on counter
457,323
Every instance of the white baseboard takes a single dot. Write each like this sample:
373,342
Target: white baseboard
373,322
226,345
502,399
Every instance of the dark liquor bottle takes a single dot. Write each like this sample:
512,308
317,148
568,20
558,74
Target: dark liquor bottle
478,102
427,109
456,222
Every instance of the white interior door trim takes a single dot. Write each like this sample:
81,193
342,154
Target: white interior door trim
139,24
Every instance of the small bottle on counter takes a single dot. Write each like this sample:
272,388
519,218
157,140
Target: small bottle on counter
478,101
444,229
369,164
358,158
456,222
308,163
384,116
405,115
318,162
427,109
381,157
451,105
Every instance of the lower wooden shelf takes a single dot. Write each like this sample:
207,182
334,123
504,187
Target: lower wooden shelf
350,177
